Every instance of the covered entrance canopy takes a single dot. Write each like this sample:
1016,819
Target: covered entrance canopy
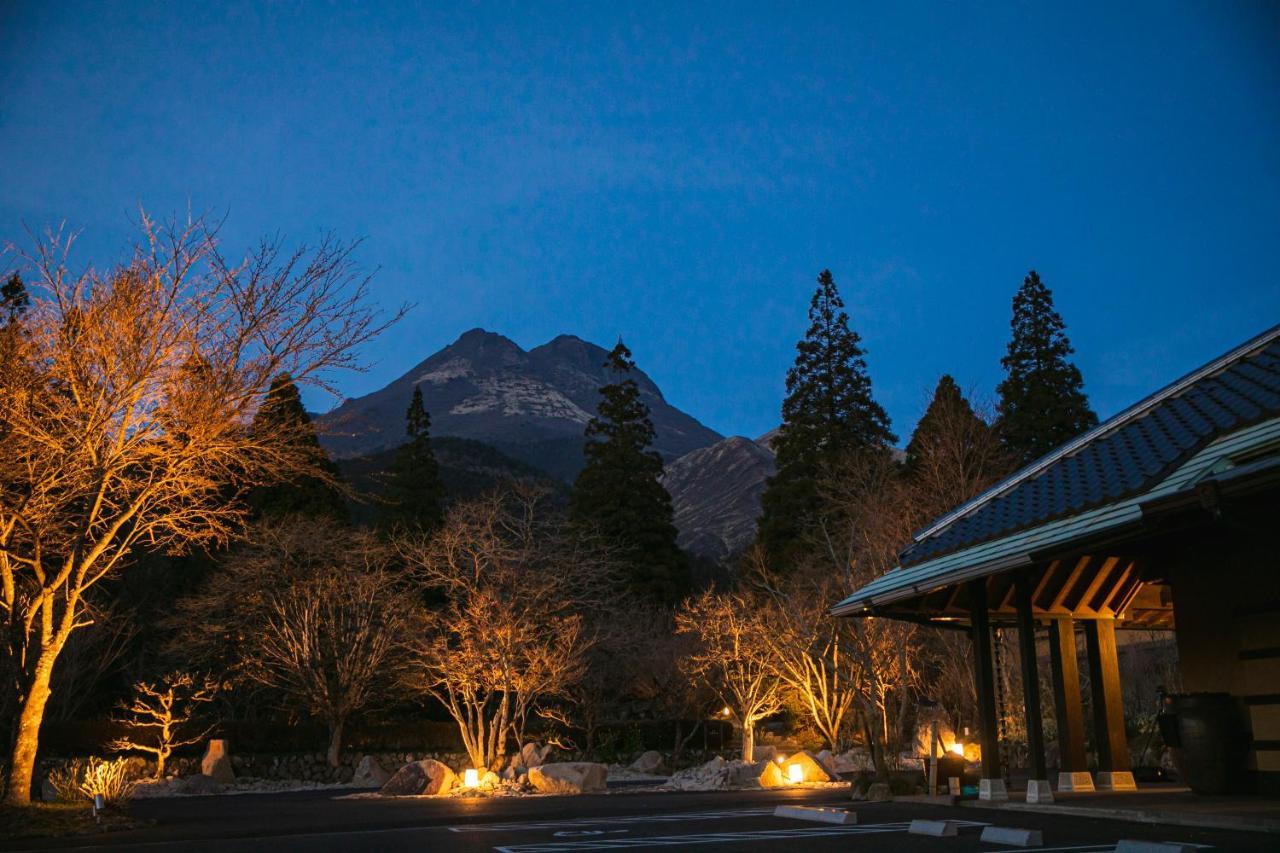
1164,516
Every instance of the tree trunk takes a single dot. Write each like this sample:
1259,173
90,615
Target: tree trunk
876,748
748,740
23,762
335,742
161,755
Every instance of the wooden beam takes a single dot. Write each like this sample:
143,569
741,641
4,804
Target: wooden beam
1045,576
1066,696
984,679
1108,702
1030,675
1083,604
1105,608
1067,585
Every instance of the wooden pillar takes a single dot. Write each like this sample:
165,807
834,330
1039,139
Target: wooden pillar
1030,675
984,679
1108,703
1074,775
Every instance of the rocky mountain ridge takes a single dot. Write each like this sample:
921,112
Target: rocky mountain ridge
532,405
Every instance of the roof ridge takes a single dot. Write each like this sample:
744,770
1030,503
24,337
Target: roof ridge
1113,423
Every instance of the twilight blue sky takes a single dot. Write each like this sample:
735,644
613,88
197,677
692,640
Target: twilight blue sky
679,174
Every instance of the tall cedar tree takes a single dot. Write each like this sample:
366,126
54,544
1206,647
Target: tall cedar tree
282,413
828,413
946,407
1042,399
13,299
619,493
415,493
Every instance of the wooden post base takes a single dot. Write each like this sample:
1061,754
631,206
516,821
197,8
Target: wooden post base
1081,781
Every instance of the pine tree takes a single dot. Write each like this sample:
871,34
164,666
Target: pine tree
828,413
1042,399
282,413
415,493
619,492
13,300
948,412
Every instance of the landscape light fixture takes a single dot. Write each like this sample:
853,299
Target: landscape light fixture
958,748
795,774
780,759
726,711
471,777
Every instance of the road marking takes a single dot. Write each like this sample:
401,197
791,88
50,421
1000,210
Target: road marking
583,833
712,838
671,817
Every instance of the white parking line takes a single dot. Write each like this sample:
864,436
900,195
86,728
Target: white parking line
671,817
712,838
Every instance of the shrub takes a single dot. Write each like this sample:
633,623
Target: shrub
79,780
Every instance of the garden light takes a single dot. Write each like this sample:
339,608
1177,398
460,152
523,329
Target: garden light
795,774
471,777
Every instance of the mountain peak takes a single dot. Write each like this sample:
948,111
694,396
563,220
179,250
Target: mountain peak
532,405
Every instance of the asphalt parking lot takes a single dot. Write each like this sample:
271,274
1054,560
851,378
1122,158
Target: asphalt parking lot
728,821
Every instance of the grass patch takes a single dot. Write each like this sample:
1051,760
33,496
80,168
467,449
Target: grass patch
46,820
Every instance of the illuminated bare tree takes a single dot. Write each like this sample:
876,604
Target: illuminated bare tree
159,716
510,636
314,612
734,656
813,649
127,403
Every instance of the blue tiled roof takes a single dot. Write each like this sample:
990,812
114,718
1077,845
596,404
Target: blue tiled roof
1125,455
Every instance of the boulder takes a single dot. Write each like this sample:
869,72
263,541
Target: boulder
490,780
200,785
812,770
569,777
763,753
719,775
532,755
369,773
879,792
216,762
770,775
650,762
426,778
828,762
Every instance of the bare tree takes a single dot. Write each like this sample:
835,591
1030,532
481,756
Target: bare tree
734,656
814,650
510,636
128,399
315,614
159,716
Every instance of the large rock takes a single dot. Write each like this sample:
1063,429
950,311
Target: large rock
770,775
533,755
720,775
369,773
200,785
811,769
569,777
650,762
216,762
763,753
828,762
426,778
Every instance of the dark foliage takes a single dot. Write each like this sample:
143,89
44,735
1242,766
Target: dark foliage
1042,399
415,492
283,413
618,492
828,413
